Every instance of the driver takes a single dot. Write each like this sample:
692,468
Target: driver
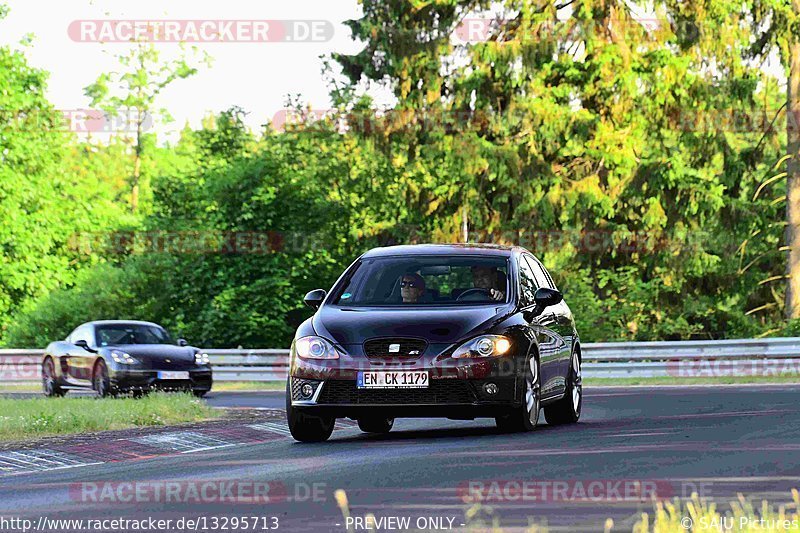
486,277
412,287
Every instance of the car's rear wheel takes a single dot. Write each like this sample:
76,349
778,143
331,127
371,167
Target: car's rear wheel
49,383
199,393
526,416
306,427
101,382
568,409
376,425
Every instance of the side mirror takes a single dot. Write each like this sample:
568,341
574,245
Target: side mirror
182,342
545,297
314,298
85,345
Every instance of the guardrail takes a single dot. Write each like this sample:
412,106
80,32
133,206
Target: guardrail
600,360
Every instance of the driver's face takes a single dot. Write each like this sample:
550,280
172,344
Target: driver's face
483,278
410,289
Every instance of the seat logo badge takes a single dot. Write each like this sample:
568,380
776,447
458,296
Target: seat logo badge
394,348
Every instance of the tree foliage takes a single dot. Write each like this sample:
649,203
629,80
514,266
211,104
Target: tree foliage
637,150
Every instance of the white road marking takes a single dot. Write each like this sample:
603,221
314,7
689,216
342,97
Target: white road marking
26,461
273,427
184,442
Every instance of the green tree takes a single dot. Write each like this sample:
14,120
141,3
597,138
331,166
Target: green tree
579,119
45,203
776,25
134,91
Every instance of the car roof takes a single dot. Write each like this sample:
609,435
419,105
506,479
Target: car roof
119,322
444,249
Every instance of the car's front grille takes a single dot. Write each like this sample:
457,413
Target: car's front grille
394,348
179,365
440,391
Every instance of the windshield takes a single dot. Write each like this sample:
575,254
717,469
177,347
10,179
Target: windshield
113,334
426,280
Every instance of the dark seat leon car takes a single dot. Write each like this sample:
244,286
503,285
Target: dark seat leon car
116,356
457,331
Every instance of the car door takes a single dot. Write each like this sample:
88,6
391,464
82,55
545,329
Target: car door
80,361
562,316
543,326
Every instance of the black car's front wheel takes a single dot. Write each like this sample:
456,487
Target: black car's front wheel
568,409
306,427
526,416
101,382
376,425
49,383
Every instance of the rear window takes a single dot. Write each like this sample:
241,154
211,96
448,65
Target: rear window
425,280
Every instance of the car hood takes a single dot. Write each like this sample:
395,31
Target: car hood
351,325
157,352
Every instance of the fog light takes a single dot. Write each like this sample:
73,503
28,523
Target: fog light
490,388
306,390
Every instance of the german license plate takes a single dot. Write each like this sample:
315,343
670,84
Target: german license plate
409,379
173,375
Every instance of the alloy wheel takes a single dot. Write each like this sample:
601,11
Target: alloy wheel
577,386
532,392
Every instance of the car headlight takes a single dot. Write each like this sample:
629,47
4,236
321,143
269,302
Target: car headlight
315,348
123,358
201,359
483,346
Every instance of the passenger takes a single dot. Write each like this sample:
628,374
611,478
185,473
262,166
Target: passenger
412,287
485,277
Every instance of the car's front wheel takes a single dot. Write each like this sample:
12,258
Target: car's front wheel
568,409
376,425
526,416
306,427
49,383
101,382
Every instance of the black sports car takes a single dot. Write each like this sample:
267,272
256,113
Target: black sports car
115,356
458,331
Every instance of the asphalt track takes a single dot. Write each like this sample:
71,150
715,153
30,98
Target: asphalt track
719,441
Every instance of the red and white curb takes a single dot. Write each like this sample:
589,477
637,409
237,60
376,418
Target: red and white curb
15,462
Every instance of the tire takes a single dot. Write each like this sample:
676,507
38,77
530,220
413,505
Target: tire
49,384
305,427
526,416
568,409
199,393
375,425
101,383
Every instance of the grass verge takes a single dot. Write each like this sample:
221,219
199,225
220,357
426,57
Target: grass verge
39,417
717,380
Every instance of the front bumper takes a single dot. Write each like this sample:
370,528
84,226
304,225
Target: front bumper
455,388
200,379
451,398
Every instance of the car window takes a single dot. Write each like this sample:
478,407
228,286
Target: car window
527,283
83,333
425,280
543,278
115,334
